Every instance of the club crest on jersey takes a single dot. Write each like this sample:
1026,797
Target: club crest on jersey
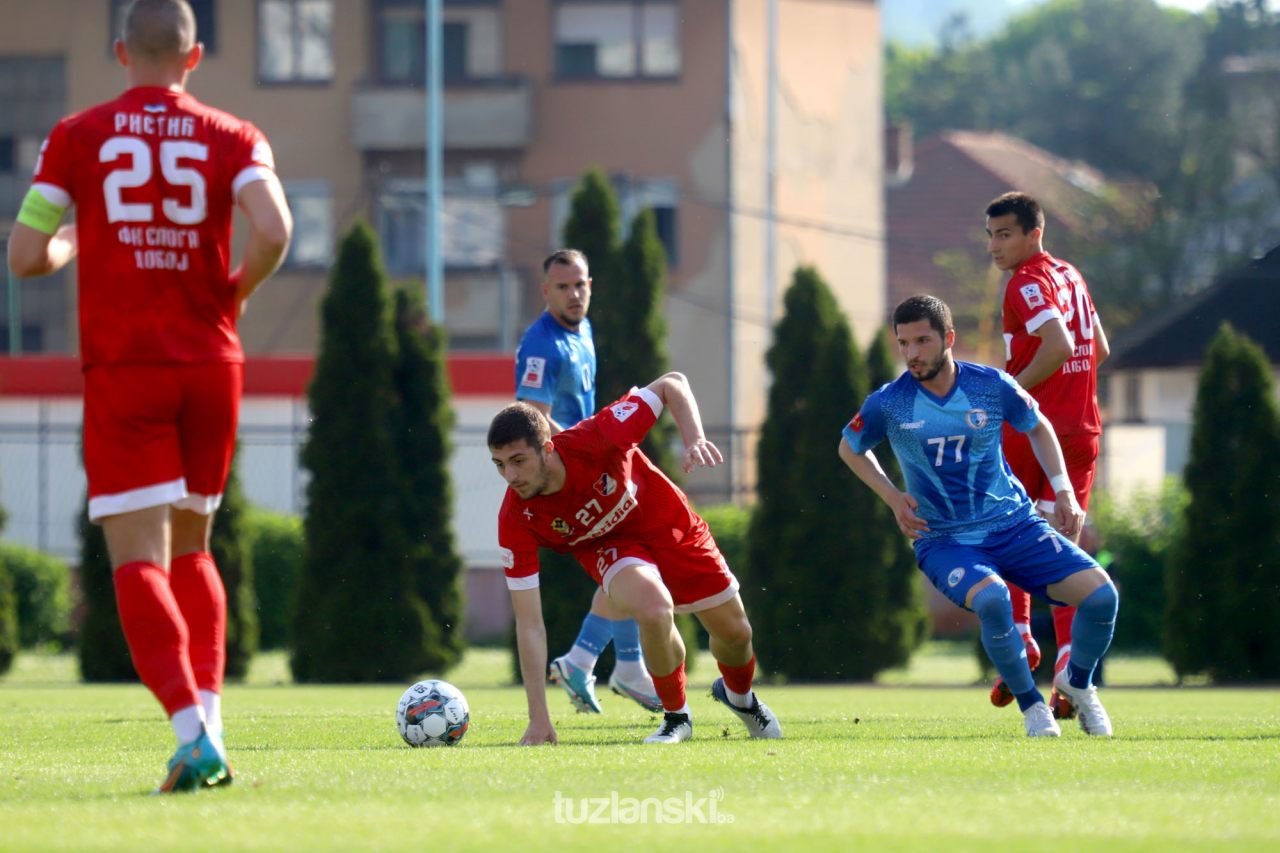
857,423
561,526
1032,294
605,486
534,368
957,575
622,411
976,418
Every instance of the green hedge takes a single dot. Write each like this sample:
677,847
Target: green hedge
8,621
41,584
276,543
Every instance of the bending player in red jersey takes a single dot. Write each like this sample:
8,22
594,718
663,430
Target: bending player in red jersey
1054,342
591,492
154,176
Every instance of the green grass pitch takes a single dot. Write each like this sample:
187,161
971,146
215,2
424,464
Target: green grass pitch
893,766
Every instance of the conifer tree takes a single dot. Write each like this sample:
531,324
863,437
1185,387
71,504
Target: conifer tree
830,596
423,436
359,615
102,650
229,544
1223,601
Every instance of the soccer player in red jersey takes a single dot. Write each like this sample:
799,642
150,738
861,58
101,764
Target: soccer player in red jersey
1054,342
589,491
154,176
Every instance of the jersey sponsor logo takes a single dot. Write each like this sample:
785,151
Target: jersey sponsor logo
857,423
534,368
976,418
561,526
508,558
154,108
622,411
613,517
913,425
1032,294
605,486
957,575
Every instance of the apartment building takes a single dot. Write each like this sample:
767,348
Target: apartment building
753,128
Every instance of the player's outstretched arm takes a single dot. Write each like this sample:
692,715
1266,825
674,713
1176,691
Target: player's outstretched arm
270,227
1054,350
676,395
867,469
34,253
1067,515
531,644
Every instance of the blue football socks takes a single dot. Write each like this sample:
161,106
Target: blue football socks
1091,633
1003,643
626,639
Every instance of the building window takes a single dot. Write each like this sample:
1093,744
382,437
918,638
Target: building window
662,196
472,222
400,29
632,38
311,203
206,23
295,41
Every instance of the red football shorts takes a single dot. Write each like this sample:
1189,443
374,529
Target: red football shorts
694,573
159,434
1079,451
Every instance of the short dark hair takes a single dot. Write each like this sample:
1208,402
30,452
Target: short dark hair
566,257
1023,206
929,308
159,30
519,421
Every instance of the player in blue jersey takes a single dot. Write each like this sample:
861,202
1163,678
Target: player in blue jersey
556,374
971,521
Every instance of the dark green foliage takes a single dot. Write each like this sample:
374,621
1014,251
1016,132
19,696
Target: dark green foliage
832,591
232,551
423,448
8,621
359,617
277,559
628,287
103,652
41,584
1223,599
1134,546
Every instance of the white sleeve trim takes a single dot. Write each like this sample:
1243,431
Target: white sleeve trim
53,194
530,582
248,175
1040,319
651,398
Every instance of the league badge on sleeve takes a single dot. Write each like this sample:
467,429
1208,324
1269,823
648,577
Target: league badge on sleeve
1032,294
622,411
857,423
534,368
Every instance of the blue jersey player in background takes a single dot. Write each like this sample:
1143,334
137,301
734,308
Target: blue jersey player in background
556,374
972,523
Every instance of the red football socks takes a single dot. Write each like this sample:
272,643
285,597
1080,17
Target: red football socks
197,587
1062,619
738,678
1021,605
156,634
670,688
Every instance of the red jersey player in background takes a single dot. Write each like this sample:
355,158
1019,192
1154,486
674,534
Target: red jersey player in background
1054,343
589,491
154,176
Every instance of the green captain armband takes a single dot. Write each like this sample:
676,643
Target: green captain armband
39,213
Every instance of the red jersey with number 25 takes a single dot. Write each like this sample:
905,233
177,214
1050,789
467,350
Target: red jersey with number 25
1043,288
611,493
154,175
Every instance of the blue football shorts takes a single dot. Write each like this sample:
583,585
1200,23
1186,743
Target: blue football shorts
1030,554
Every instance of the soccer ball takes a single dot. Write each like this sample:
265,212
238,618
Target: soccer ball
432,713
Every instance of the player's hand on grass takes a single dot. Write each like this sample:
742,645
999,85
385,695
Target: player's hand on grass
701,454
904,510
1067,514
539,733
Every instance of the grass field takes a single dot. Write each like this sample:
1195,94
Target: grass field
891,766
